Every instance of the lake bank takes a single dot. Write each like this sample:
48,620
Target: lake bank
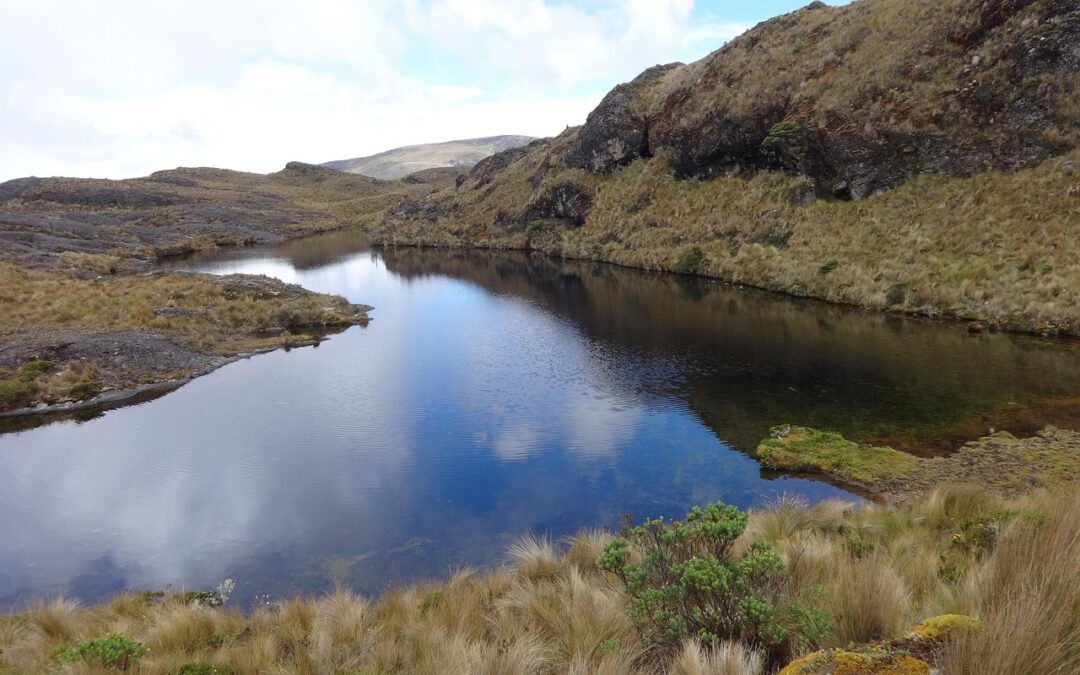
74,344
948,597
562,383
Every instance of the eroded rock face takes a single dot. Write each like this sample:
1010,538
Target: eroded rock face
565,200
753,105
617,131
413,209
486,169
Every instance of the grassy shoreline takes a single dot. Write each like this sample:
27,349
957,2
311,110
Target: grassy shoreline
868,579
68,341
992,250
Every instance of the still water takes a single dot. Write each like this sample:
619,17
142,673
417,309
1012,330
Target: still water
493,394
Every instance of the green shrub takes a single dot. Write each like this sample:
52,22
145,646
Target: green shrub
896,294
828,266
14,392
31,370
114,650
690,260
204,668
85,390
20,389
686,582
782,133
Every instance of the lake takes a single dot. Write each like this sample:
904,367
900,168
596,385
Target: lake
493,394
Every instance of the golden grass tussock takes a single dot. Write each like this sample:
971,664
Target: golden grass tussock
874,570
1028,594
727,658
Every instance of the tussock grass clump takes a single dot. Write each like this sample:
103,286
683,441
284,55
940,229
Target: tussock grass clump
1006,607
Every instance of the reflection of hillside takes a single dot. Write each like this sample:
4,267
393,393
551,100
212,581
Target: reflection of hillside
746,359
303,254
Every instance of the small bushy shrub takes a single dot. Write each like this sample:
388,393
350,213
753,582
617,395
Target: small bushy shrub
690,260
828,266
203,668
683,580
20,389
114,650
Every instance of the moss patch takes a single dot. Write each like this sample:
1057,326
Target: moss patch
1001,462
840,662
945,627
803,449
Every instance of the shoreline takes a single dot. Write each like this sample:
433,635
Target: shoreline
119,398
973,324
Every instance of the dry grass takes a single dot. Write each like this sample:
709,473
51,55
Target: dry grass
552,613
997,247
220,316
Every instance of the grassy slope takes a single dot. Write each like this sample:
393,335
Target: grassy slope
71,243
998,246
95,225
876,571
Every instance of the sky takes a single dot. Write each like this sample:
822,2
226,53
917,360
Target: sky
121,88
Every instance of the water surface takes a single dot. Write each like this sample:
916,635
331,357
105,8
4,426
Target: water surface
493,394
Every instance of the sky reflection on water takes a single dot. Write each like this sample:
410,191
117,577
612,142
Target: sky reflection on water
492,395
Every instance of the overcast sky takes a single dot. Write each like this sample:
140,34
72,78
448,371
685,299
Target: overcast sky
120,88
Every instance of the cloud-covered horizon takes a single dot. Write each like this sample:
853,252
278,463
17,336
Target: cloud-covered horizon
124,87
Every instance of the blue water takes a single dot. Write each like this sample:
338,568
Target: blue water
491,396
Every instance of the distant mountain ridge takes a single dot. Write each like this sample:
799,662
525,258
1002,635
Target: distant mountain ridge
400,162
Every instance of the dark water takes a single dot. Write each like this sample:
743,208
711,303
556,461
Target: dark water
492,395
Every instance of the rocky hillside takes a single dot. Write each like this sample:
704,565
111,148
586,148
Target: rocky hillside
401,162
917,155
101,226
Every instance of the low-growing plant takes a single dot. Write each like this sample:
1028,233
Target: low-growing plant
690,260
683,580
114,650
828,266
203,668
20,389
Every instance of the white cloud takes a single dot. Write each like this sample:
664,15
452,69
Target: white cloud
125,87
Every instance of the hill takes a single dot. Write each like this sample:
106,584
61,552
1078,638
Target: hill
98,225
901,154
400,162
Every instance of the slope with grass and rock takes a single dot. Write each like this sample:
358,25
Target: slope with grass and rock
82,323
895,154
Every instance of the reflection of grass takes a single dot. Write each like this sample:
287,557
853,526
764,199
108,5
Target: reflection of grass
875,572
935,245
920,386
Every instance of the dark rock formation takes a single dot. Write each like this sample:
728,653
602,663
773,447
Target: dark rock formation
564,200
617,131
1010,69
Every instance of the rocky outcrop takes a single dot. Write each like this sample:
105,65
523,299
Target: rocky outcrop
617,131
986,89
413,209
50,222
486,169
566,200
